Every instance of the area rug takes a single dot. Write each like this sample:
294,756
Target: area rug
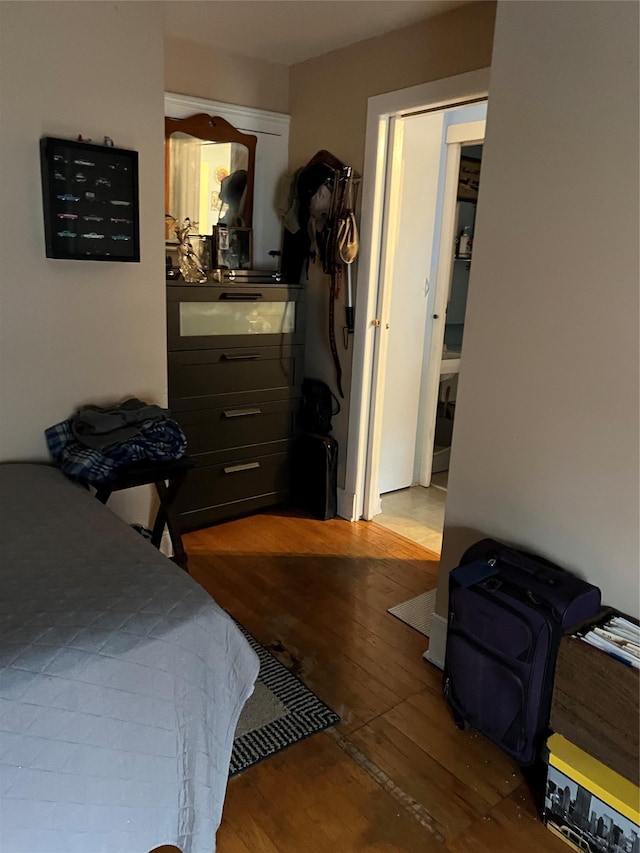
282,711
417,612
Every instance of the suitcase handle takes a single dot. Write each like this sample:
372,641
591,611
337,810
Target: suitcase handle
529,565
494,584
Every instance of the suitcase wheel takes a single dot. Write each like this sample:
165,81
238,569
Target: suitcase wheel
463,725
460,722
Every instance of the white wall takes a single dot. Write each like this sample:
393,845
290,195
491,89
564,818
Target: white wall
73,332
217,74
545,446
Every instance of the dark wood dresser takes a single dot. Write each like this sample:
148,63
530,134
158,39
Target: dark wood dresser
235,365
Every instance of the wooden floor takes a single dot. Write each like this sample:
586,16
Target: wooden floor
396,774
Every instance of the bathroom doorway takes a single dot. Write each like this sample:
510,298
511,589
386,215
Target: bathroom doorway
437,186
361,495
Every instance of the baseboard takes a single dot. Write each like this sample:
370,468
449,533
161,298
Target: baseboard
437,641
346,505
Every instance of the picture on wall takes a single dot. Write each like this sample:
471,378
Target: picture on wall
469,179
232,248
90,196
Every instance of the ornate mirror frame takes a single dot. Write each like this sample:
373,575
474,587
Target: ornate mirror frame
213,129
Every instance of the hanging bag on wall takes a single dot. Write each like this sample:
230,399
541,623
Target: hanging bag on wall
323,188
317,406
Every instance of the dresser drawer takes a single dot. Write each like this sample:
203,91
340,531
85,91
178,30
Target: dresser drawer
215,431
214,316
233,376
214,492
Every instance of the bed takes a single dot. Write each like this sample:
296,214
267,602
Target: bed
121,681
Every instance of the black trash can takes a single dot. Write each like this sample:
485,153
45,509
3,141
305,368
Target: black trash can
314,475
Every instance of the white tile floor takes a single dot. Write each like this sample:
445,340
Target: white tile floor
417,512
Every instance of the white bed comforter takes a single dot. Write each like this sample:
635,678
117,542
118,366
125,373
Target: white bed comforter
121,681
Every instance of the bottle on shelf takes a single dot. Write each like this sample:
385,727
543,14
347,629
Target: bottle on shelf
465,242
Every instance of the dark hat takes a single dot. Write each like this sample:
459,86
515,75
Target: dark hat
232,187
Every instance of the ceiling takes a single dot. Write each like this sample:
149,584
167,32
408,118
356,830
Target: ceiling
290,31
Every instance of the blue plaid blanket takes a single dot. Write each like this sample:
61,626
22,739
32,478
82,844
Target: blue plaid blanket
158,441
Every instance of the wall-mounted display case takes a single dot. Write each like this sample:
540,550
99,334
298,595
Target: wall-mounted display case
90,195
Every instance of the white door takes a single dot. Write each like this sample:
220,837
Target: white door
419,142
388,409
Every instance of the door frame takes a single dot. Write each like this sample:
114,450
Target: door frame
369,335
388,242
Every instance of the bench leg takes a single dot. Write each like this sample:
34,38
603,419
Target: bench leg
103,493
166,515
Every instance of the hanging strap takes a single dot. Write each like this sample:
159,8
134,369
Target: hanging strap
332,333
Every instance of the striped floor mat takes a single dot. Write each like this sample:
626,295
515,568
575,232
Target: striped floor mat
282,711
417,612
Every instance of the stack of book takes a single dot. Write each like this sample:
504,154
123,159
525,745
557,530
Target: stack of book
618,637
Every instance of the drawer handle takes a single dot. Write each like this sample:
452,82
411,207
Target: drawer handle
242,297
249,356
241,413
234,469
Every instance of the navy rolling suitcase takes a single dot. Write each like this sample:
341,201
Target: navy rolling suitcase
507,613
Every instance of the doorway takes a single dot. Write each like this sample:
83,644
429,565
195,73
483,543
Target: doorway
386,245
424,341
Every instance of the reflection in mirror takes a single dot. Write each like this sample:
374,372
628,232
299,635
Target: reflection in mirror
208,181
209,172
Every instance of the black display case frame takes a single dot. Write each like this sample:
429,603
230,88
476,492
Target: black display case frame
90,197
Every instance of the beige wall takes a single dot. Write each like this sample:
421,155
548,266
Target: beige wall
205,72
329,93
328,100
545,446
77,331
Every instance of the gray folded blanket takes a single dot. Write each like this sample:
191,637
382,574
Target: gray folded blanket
101,427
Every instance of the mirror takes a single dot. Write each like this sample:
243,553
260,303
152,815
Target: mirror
209,172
